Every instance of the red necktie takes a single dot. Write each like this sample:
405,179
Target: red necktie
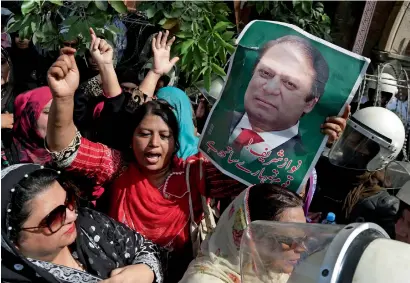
245,137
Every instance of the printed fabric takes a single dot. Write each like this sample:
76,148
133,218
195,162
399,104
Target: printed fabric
219,260
161,214
102,245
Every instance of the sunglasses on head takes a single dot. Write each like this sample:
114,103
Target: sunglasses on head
55,220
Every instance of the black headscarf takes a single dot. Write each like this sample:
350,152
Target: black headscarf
7,92
102,244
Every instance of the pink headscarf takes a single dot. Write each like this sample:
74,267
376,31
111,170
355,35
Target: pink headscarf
27,109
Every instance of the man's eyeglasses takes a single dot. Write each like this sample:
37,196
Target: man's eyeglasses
57,217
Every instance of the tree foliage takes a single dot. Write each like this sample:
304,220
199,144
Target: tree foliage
205,38
43,21
307,14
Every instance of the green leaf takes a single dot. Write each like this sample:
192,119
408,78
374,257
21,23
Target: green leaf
195,27
119,6
187,59
221,26
326,19
227,35
219,7
208,23
307,6
185,26
202,45
169,23
178,4
197,56
230,48
196,75
211,46
295,3
14,27
85,32
167,15
185,17
28,6
176,13
24,33
259,7
161,22
34,26
186,45
70,21
184,34
101,4
83,3
150,12
57,2
27,21
113,29
218,70
207,79
222,55
218,38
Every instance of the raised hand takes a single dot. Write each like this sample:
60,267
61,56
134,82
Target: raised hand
63,76
162,49
335,126
100,50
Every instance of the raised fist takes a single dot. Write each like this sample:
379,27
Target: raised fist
63,76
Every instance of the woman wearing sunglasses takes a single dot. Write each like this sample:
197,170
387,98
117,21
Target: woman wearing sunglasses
219,260
47,238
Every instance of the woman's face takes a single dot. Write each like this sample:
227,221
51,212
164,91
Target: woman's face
40,243
22,43
153,143
290,252
43,120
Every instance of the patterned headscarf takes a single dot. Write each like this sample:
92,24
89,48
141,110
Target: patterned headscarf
27,109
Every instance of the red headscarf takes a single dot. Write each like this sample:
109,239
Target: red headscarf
27,109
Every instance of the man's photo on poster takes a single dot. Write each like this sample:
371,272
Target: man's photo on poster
289,78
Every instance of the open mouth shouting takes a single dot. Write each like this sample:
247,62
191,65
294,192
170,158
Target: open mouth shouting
152,158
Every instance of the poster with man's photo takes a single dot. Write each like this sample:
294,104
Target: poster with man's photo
281,85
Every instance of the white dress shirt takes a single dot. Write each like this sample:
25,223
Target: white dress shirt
271,139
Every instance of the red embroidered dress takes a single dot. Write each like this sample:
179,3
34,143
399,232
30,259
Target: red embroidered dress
160,214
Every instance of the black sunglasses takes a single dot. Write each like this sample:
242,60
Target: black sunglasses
55,220
277,241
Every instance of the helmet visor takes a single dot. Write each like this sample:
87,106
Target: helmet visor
353,150
396,175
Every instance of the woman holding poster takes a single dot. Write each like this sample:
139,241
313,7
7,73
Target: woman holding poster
156,194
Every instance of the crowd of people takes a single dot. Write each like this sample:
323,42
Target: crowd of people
102,178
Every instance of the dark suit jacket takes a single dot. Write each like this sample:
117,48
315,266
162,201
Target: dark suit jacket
295,144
